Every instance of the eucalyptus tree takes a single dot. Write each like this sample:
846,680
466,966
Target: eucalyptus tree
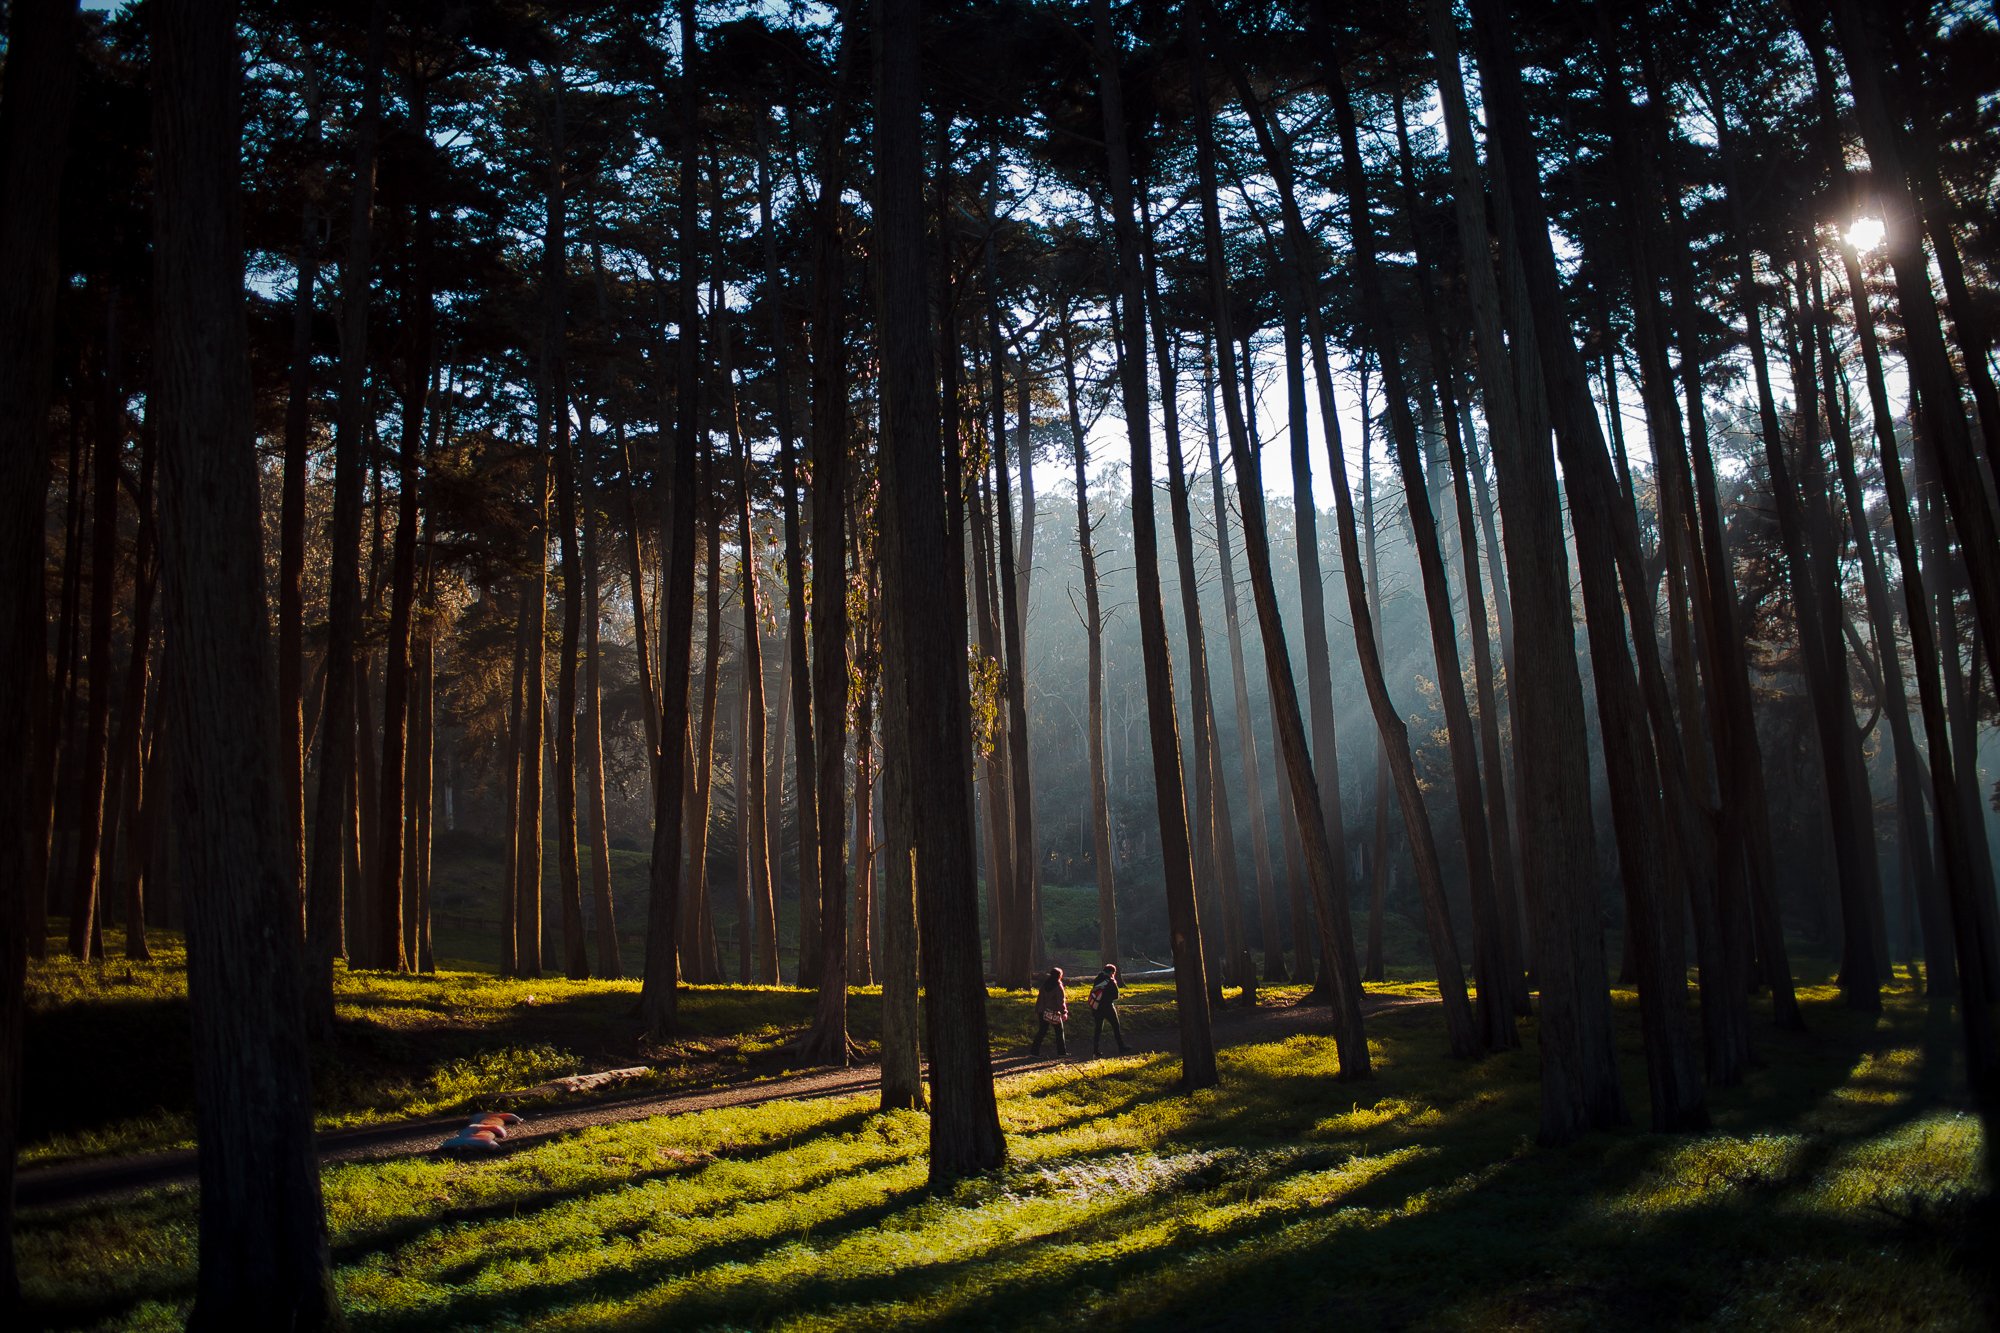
928,713
660,992
1177,863
1580,1090
1494,1012
826,1041
1066,334
325,890
262,1228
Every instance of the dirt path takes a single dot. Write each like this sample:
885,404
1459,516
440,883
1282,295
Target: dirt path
79,1182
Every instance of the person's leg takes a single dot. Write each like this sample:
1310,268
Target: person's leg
1097,1032
1040,1032
1116,1031
1062,1042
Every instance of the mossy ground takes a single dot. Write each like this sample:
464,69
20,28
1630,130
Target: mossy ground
1836,1189
108,1045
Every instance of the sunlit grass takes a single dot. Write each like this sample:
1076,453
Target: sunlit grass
412,1046
1836,1191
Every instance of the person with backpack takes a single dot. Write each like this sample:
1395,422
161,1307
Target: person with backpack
1052,1007
1103,1007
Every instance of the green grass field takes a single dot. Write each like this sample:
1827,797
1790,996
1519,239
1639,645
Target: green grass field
108,1044
1836,1189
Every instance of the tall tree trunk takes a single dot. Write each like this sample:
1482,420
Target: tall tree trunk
1207,858
1494,1013
531,813
1832,710
1024,945
1961,685
1978,1019
827,1040
389,887
1463,1037
1380,868
1246,738
1297,889
576,949
797,668
659,993
141,808
1940,972
759,920
805,739
701,800
1176,860
292,504
1093,618
1715,714
423,787
861,935
35,106
324,889
1924,896
108,462
1312,620
902,1064
1023,574
924,642
829,1037
262,1229
593,742
1640,764
1580,1089
994,783
774,818
1505,918
128,755
510,900
57,757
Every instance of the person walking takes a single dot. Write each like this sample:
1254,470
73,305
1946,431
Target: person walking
1104,1008
1052,1007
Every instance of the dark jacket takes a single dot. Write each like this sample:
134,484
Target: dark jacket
1050,1001
1104,989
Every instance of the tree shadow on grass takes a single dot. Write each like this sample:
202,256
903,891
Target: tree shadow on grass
476,1308
525,1206
1462,1222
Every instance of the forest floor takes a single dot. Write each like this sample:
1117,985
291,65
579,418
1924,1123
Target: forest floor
1837,1188
567,1104
108,1048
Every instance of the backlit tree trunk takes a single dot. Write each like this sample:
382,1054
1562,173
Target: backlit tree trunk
1207,857
1246,737
605,923
924,628
659,994
1494,1014
1580,1089
1177,862
1093,625
337,724
1024,944
826,1042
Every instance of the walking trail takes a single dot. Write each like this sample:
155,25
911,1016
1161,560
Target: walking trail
111,1178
